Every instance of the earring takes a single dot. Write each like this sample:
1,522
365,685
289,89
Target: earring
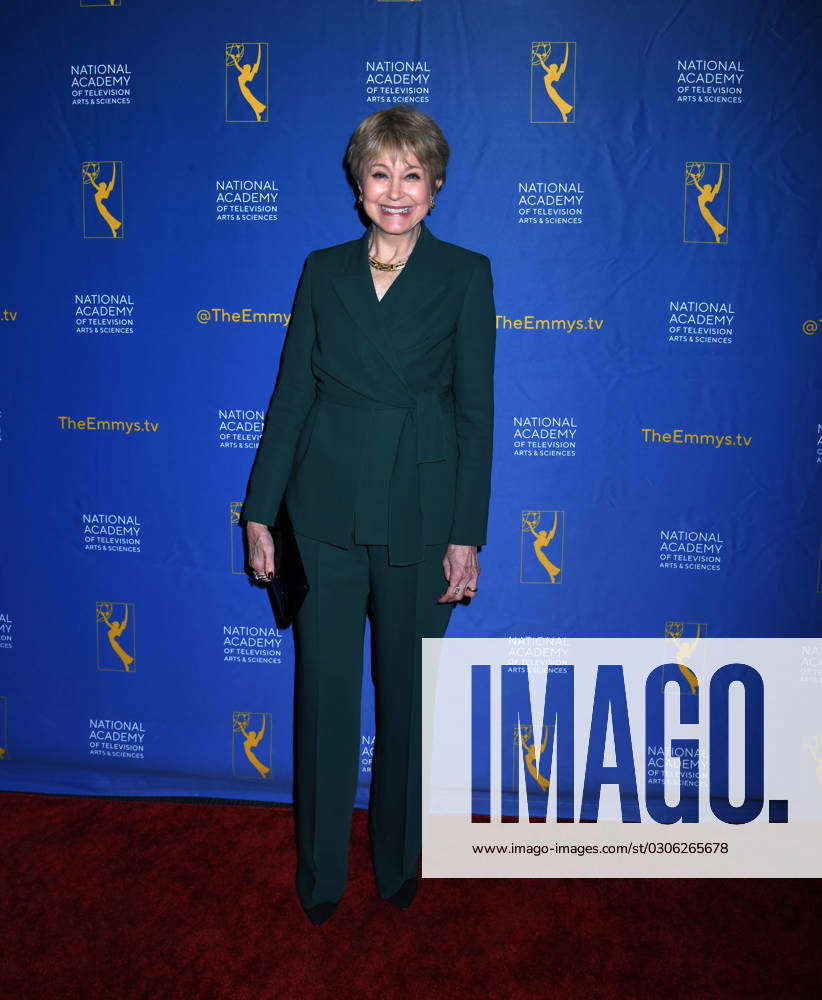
359,199
432,203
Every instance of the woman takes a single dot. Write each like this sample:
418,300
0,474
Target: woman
379,435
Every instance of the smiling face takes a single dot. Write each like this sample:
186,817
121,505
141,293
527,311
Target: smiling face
396,192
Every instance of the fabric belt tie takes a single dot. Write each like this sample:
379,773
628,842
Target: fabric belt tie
420,438
430,430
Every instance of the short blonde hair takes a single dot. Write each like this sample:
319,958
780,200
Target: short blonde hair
401,129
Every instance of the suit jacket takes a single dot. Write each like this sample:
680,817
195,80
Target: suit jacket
382,414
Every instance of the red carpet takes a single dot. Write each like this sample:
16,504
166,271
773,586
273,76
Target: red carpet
121,899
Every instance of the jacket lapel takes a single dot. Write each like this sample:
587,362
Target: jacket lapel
418,282
356,290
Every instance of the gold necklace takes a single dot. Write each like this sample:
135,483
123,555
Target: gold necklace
379,266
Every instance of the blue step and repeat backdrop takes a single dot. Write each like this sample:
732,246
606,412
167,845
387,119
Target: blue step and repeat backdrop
646,180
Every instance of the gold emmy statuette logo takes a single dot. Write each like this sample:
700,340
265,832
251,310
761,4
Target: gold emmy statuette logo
243,105
116,636
248,731
552,82
814,748
101,3
235,538
524,737
707,202
538,535
102,199
3,728
686,637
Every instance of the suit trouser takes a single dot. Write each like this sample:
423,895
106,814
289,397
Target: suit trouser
401,603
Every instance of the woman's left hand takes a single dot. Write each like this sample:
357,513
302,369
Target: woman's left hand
461,571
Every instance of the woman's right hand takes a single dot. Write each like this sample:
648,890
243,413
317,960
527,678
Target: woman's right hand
260,549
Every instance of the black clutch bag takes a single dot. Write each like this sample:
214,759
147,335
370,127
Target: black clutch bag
289,586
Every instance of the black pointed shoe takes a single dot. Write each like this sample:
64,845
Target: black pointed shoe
404,896
321,912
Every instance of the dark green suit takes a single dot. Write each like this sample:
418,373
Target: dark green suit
379,435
